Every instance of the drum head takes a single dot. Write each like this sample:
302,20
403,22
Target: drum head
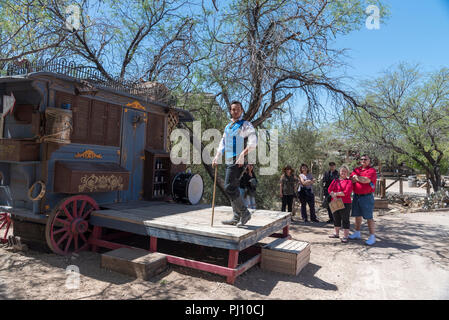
195,189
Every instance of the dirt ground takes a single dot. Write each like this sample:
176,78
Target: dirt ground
409,261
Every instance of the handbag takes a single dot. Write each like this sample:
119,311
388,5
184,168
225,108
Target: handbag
336,204
252,184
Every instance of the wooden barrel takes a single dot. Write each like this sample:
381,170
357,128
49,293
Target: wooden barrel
58,125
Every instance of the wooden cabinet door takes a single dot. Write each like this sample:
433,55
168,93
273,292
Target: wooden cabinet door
98,123
94,122
156,131
81,120
114,113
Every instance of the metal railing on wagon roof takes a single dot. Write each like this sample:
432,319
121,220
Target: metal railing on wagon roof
146,90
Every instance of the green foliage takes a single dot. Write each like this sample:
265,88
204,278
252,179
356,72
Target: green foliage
298,145
407,114
350,14
24,29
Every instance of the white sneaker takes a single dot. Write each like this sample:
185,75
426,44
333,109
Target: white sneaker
371,240
355,235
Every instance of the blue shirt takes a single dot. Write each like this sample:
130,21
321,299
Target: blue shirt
232,142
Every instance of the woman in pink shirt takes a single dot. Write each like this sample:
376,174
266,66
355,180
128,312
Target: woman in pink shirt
342,188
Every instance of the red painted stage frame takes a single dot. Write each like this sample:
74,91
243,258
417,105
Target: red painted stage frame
231,272
5,221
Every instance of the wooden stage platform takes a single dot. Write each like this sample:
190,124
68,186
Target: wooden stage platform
190,224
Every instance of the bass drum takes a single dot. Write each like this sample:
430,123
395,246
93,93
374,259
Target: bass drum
187,187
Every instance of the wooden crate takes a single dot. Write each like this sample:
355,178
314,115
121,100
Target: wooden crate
137,263
380,204
285,256
32,234
19,150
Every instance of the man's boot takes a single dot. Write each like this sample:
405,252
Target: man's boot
231,222
245,218
235,219
239,206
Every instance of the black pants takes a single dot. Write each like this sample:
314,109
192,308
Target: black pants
306,196
341,217
231,185
287,201
329,212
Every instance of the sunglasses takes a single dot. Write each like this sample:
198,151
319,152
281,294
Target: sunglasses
364,159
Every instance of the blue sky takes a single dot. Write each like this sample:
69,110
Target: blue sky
416,32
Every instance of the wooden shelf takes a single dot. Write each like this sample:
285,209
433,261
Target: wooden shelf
153,159
168,171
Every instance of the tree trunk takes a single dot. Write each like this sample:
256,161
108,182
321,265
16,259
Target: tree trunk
435,178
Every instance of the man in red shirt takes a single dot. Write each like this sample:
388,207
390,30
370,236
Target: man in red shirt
364,182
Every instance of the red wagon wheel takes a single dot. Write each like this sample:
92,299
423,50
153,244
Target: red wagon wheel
5,224
67,229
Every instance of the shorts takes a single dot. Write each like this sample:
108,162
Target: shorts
363,206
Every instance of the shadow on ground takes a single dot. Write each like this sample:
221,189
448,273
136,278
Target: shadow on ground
263,282
397,238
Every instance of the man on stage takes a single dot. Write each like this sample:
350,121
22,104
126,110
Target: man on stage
239,138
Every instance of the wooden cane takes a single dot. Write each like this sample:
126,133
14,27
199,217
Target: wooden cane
213,197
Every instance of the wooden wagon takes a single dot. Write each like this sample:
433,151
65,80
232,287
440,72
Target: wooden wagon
79,157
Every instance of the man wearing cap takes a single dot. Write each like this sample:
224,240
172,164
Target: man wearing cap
329,176
239,138
364,182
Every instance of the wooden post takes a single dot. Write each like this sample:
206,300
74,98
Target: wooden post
232,264
153,244
383,183
285,232
213,197
96,235
2,120
378,182
377,190
401,186
427,184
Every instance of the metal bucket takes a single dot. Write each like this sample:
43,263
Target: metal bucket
58,126
412,182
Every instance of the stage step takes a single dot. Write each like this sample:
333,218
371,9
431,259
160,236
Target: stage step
285,256
137,263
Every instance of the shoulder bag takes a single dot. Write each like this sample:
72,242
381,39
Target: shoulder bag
336,204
